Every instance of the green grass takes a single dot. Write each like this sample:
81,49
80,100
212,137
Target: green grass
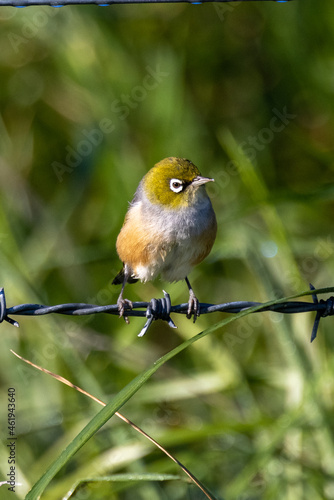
247,409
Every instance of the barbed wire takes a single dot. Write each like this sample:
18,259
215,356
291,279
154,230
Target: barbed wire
162,309
105,3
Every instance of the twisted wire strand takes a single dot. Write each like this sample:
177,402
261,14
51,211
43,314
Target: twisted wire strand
162,308
104,3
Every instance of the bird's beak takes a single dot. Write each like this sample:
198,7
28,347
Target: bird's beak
201,180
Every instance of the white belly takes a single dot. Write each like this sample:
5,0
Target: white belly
172,264
182,240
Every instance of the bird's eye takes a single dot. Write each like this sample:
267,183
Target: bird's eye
176,185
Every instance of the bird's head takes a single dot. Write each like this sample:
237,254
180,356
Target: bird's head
175,183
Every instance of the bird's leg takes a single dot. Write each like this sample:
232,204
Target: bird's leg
193,304
121,302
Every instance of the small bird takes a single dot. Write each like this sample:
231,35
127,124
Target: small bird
170,227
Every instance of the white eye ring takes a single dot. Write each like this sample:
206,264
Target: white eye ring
176,185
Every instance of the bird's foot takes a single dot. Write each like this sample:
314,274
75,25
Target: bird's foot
123,304
193,306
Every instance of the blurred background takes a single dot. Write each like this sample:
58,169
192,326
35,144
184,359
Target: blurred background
91,98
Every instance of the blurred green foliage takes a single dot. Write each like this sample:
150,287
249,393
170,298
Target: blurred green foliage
91,97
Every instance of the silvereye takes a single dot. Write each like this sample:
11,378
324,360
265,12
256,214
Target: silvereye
170,227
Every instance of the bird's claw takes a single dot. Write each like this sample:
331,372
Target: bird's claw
193,307
122,305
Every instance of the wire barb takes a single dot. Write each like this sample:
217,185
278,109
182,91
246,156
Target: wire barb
158,309
328,310
3,310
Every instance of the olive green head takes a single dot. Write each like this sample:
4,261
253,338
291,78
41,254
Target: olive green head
174,183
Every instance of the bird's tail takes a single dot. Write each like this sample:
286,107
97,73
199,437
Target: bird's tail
119,278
